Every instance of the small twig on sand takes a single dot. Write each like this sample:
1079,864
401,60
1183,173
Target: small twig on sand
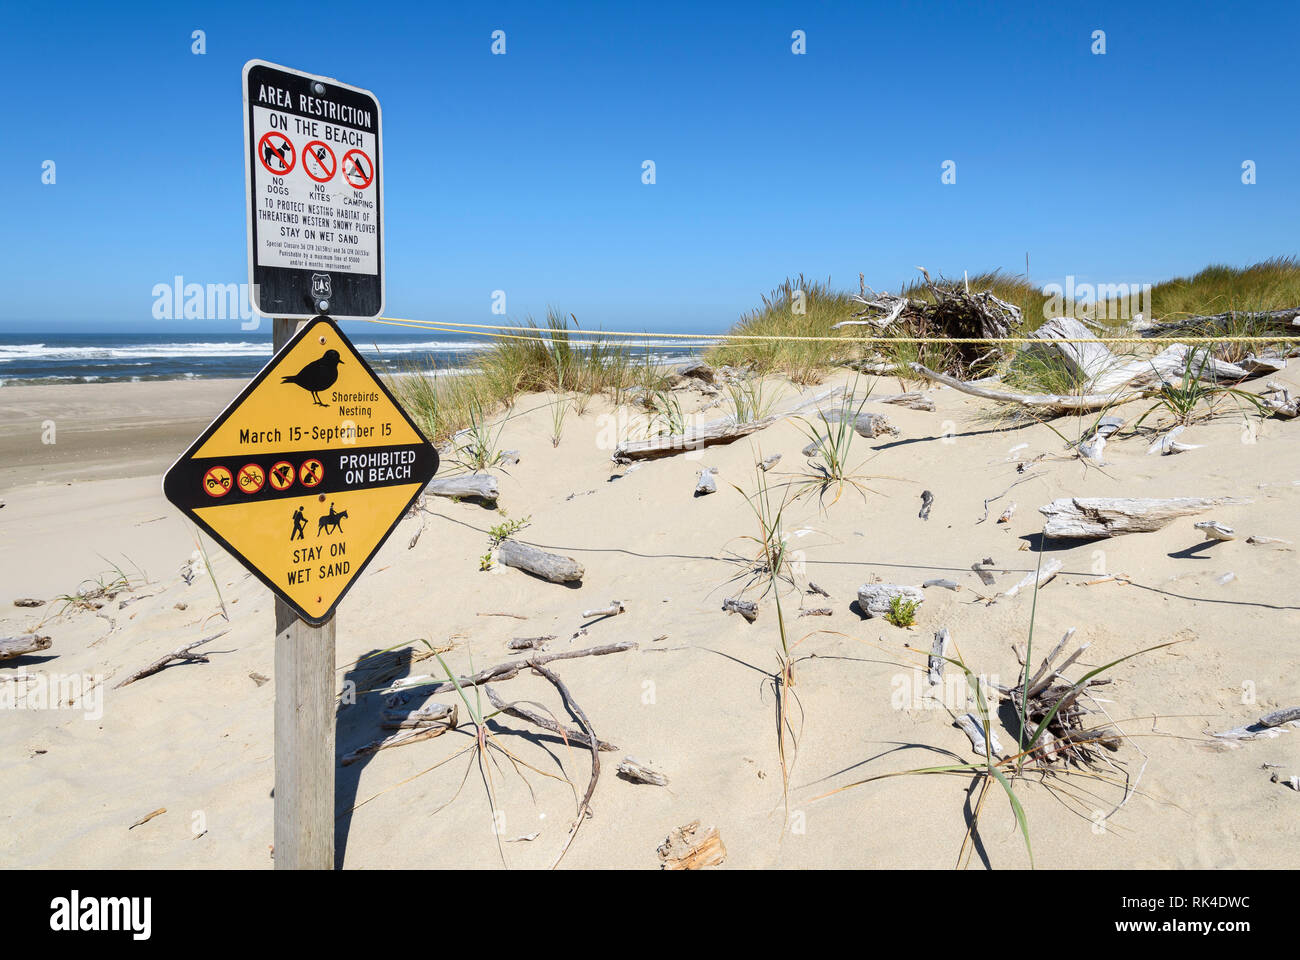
181,653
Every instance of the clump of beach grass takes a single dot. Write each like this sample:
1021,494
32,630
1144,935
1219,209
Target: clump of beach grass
797,308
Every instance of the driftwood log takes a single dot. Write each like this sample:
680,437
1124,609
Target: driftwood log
614,608
468,486
704,482
548,566
1090,517
971,726
504,671
715,432
11,647
1056,403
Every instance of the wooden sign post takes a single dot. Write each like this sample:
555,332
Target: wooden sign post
310,469
304,727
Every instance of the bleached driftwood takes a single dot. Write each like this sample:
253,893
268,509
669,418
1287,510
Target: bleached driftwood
971,726
548,566
181,653
952,585
770,462
704,482
746,608
1267,726
1050,569
633,769
414,734
717,431
1168,444
691,847
502,671
613,610
11,647
468,486
1008,513
816,612
1101,371
913,401
868,425
1088,517
28,602
875,598
1214,530
1093,448
934,666
1040,401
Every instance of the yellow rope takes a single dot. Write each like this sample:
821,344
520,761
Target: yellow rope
547,335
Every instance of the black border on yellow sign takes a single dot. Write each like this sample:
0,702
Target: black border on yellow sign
173,481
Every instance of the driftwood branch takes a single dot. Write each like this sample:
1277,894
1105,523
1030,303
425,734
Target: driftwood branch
520,711
592,743
505,671
181,653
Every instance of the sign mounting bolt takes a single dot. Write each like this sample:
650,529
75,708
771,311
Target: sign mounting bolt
317,88
323,306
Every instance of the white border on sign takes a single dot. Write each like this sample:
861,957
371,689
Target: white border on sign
248,191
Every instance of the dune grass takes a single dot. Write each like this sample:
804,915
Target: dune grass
552,357
797,308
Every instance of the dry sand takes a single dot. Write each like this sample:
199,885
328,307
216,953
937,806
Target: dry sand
695,699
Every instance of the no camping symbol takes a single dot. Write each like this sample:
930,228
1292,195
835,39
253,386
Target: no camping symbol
358,169
275,152
319,161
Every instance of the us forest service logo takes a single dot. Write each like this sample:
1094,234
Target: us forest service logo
307,472
320,286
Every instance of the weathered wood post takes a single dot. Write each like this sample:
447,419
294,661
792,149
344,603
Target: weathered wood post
304,727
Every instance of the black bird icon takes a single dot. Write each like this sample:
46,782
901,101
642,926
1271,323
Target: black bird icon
317,376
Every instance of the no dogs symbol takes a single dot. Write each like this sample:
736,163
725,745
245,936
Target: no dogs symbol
319,161
276,153
358,171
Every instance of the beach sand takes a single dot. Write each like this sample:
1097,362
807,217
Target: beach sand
695,700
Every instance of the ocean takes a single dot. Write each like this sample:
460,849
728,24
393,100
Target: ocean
93,358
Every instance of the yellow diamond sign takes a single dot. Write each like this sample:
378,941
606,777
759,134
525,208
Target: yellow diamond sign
307,472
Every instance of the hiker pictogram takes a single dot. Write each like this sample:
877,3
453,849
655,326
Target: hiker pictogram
331,520
319,161
282,475
251,477
299,524
317,376
217,482
276,153
311,473
358,170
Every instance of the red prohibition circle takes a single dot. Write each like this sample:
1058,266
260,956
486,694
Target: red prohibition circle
217,481
314,149
359,169
281,475
266,149
251,477
311,473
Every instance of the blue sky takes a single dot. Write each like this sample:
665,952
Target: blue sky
523,172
